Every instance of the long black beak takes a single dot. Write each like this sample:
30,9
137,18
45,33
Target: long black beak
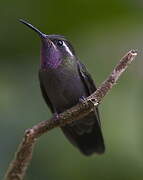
42,35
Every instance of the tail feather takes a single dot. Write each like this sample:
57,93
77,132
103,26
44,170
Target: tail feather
89,141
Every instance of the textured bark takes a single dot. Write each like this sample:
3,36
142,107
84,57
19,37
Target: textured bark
18,166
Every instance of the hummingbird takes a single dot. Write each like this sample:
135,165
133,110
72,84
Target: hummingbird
64,81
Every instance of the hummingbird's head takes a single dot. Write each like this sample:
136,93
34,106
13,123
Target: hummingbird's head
55,49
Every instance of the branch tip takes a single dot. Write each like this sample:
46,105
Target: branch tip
134,52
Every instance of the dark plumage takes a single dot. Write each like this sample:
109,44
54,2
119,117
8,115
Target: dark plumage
64,81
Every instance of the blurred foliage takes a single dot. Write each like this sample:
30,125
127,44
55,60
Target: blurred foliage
101,31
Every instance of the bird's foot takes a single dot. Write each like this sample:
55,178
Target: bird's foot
56,115
82,99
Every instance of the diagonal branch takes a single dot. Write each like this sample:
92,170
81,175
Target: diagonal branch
18,166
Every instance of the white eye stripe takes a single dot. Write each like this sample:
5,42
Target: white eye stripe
67,48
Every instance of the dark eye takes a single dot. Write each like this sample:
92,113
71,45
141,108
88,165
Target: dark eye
59,43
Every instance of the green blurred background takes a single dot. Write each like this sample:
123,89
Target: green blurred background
101,32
